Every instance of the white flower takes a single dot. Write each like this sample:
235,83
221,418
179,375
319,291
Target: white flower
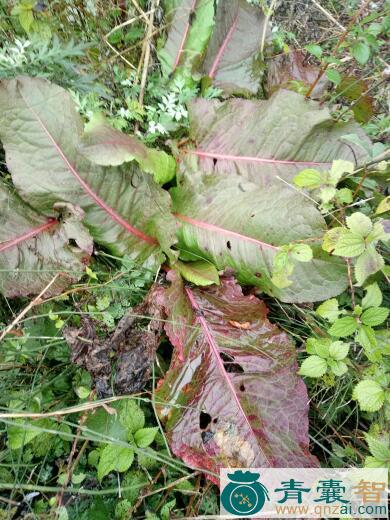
180,112
127,83
124,112
156,128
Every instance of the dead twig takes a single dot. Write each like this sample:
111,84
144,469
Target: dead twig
147,45
328,15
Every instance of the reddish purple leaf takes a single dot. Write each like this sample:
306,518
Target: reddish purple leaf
33,248
231,55
286,68
269,141
231,396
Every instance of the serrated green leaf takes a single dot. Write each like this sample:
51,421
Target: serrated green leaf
369,394
359,223
114,458
334,76
373,296
343,242
282,268
331,238
145,436
350,244
372,462
379,447
131,416
327,194
344,196
199,273
338,350
314,49
26,18
343,327
338,368
374,316
383,206
339,167
313,366
382,337
378,233
367,264
308,178
361,52
367,339
22,432
321,347
329,310
318,346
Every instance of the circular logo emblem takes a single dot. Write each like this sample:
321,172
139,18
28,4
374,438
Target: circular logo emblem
243,499
244,495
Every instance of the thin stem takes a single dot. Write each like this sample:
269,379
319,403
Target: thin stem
341,40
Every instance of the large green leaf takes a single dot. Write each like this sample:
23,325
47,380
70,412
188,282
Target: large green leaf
234,224
104,145
231,55
263,140
41,132
190,25
33,248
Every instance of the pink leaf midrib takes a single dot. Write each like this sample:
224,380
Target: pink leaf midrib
247,158
217,229
8,244
215,350
219,55
100,202
184,38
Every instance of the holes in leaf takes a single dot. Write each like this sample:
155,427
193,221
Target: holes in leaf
230,365
204,420
242,388
215,161
206,436
228,244
72,242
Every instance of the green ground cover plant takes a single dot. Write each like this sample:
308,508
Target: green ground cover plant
194,241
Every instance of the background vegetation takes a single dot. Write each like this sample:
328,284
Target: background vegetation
64,463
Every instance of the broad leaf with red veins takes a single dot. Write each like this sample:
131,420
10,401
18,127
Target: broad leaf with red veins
231,397
269,141
34,248
42,135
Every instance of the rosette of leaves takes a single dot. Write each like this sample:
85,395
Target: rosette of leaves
359,322
127,432
47,155
358,240
326,355
323,184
